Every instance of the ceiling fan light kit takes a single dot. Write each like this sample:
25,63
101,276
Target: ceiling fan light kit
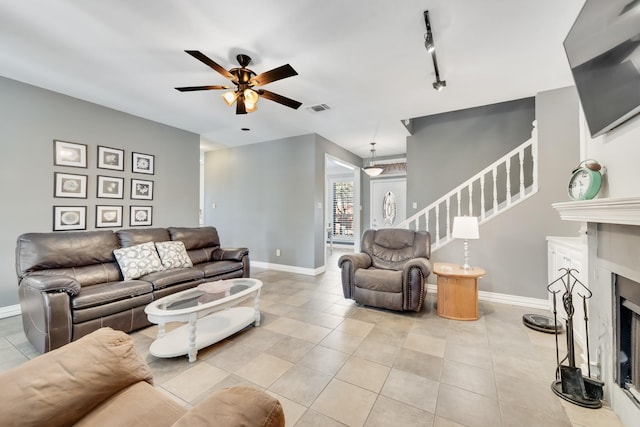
430,46
244,96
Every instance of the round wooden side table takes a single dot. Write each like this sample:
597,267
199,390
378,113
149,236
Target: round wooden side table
457,291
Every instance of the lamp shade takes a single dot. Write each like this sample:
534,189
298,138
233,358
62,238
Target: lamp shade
373,170
465,227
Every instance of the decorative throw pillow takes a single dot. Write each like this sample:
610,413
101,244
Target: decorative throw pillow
173,255
136,261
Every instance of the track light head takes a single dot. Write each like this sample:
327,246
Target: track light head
429,44
439,84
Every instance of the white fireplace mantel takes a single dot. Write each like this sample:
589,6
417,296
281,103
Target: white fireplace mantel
609,211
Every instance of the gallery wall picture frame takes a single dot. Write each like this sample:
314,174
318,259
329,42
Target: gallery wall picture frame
108,216
69,218
110,187
110,158
142,163
69,185
140,216
70,154
141,189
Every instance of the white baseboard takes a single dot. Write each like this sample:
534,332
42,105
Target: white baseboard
288,268
10,311
541,304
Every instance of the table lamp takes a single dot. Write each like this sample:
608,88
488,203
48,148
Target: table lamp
465,227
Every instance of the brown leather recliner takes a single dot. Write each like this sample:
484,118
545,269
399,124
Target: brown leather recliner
391,270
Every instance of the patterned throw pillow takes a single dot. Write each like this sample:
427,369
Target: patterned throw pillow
136,261
173,255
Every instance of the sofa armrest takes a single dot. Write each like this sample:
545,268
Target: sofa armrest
349,263
359,260
234,254
44,283
422,263
60,387
236,406
414,277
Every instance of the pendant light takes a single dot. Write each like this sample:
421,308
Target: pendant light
371,169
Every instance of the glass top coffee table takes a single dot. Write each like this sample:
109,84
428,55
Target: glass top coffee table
211,314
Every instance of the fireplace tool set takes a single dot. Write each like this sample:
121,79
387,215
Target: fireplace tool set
570,384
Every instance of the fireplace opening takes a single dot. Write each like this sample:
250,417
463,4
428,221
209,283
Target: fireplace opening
628,336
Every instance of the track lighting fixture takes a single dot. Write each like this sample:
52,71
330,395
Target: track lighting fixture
439,84
429,44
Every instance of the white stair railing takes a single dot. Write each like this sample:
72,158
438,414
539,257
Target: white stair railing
462,200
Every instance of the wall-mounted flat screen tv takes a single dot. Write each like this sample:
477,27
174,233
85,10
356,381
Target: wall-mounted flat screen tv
603,49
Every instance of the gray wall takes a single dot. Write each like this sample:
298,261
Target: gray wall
455,146
31,118
270,196
512,247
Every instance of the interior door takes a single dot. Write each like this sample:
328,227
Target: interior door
388,202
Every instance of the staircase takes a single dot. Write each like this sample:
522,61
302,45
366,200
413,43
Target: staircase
502,185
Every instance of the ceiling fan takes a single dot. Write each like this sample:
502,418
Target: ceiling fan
244,94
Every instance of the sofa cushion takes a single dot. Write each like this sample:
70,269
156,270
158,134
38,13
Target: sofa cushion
120,312
135,236
60,387
378,280
201,255
43,251
166,278
196,237
216,268
104,293
235,406
138,260
140,405
173,255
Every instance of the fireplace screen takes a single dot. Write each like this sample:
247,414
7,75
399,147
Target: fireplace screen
635,355
628,335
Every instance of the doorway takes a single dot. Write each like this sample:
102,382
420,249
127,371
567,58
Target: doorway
388,202
342,206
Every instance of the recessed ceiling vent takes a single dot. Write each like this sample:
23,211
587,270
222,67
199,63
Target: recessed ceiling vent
318,108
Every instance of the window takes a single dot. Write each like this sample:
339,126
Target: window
342,214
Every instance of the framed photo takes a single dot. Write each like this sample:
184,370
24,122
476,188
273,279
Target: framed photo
110,187
69,154
141,189
140,215
110,158
69,218
70,185
143,163
108,216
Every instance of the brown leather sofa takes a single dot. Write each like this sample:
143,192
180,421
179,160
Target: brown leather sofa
99,380
390,271
70,284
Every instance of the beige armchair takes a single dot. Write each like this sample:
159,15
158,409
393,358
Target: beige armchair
390,271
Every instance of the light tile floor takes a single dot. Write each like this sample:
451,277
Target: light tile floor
333,363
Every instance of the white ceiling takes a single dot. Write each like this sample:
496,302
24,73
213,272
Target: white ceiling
364,58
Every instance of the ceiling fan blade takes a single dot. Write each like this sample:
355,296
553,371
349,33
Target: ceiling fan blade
240,108
276,74
211,63
193,88
279,99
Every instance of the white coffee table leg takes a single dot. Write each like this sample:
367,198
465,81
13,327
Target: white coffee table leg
161,331
256,306
193,352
